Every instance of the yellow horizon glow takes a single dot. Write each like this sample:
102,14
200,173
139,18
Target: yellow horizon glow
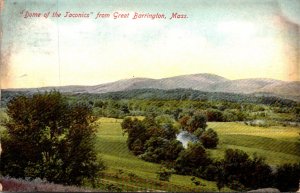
82,59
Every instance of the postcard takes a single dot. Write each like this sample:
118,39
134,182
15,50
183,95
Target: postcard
150,95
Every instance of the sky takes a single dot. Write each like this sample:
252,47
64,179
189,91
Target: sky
235,39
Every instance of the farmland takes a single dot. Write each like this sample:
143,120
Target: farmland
277,144
270,131
111,145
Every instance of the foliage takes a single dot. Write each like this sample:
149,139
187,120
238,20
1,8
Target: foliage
196,125
214,115
190,159
198,120
210,172
209,138
37,185
155,148
50,139
256,173
164,174
112,145
154,139
195,181
159,149
287,177
136,131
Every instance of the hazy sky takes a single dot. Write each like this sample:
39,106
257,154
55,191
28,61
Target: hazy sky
231,38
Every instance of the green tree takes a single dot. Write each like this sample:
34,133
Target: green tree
155,149
50,139
191,159
135,130
256,173
209,138
214,115
287,177
198,120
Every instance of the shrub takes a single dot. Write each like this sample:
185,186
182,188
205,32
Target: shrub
210,172
209,138
164,174
192,158
287,177
255,172
36,185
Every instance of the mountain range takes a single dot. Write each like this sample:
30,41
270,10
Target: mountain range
203,82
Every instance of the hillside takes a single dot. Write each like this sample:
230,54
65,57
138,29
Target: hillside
202,82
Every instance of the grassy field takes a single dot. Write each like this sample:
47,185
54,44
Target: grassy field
112,146
3,118
277,144
126,172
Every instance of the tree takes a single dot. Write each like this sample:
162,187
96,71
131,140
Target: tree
173,149
214,115
155,149
209,138
287,177
135,130
50,139
183,121
198,120
191,159
256,173
234,162
210,172
260,174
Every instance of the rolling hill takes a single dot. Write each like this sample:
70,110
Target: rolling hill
203,82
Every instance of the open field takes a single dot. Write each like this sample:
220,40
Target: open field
278,144
112,146
125,171
3,118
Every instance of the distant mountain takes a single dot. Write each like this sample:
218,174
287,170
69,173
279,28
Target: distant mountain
193,81
243,85
203,82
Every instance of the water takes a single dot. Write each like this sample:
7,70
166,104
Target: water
185,137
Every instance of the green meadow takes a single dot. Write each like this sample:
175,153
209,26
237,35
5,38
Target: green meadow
111,144
277,144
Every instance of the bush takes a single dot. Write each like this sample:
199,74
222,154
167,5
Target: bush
210,172
191,159
255,172
164,174
214,115
137,147
198,120
155,149
287,177
236,185
209,138
49,139
37,185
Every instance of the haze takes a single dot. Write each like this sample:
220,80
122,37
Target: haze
236,40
